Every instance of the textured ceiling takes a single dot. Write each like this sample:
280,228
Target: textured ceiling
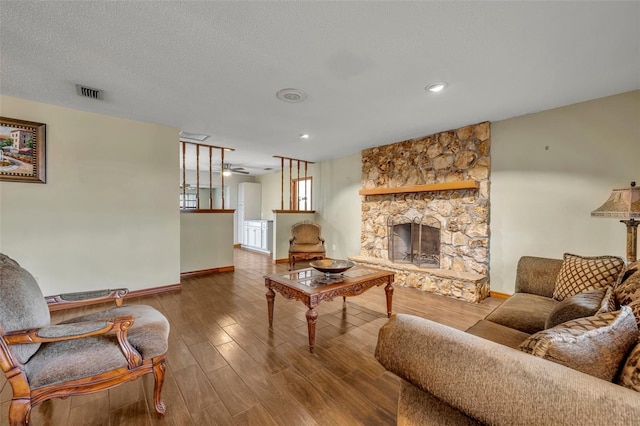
215,67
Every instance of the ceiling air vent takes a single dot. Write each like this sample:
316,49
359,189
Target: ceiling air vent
291,95
88,92
194,136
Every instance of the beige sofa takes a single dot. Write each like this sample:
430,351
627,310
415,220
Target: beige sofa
452,377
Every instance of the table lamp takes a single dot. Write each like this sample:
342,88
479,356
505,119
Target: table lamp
624,204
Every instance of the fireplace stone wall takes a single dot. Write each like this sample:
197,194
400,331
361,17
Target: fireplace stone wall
456,155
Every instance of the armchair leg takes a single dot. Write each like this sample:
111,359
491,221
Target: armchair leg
158,377
19,412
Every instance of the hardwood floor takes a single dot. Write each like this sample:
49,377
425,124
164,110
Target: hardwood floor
226,367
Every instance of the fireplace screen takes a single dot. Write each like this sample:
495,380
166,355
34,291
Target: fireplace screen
411,241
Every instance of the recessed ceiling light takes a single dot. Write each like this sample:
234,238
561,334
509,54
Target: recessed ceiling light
304,136
436,87
193,136
291,95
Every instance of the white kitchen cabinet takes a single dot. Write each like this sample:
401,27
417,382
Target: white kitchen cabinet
249,207
258,234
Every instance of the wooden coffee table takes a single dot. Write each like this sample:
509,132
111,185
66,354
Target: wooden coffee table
312,287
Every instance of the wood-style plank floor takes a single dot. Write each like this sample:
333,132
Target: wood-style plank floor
226,367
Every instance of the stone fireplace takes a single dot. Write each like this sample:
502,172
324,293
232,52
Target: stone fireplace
425,211
414,241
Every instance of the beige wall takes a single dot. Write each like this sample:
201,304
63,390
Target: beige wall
549,171
108,215
206,241
338,205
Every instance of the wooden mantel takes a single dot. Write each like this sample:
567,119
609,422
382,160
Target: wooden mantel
429,187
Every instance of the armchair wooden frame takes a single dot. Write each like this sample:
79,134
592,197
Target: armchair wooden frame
25,398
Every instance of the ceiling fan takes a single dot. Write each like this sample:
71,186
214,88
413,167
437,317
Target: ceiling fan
228,170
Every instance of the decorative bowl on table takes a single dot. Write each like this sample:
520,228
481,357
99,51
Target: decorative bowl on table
331,266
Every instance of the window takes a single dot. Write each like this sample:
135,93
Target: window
301,191
190,202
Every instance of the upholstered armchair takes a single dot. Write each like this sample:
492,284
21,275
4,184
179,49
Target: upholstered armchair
77,356
306,243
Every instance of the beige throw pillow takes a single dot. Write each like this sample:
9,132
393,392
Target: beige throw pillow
608,301
595,345
579,274
577,306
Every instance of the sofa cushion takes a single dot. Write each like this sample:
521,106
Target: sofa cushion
582,273
630,372
537,275
595,345
498,333
524,312
577,306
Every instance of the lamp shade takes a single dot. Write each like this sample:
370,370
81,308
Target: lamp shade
623,203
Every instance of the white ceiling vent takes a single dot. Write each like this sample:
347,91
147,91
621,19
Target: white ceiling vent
88,92
193,136
291,95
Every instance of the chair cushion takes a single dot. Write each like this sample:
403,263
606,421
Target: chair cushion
22,304
149,333
523,311
74,359
306,248
583,273
594,345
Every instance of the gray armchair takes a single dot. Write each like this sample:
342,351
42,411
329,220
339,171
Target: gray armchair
78,356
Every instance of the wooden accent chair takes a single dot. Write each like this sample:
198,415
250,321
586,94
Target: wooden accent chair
305,243
78,356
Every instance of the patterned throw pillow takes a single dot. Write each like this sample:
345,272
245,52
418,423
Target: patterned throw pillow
635,308
630,373
628,271
628,290
594,345
579,274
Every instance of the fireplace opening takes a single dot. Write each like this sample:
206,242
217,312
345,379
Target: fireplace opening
412,241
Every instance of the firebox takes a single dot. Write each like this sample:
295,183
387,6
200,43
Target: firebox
413,241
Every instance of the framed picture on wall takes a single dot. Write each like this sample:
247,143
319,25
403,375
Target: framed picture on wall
22,151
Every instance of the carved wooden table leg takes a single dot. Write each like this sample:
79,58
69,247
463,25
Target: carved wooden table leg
389,291
312,317
271,295
158,376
